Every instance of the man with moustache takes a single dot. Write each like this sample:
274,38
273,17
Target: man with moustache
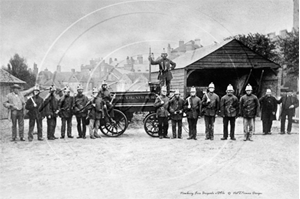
107,98
176,111
15,102
79,103
268,111
249,108
162,113
95,108
211,106
229,107
289,104
165,67
50,108
65,105
33,105
192,109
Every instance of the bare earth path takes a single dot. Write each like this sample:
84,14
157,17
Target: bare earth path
138,166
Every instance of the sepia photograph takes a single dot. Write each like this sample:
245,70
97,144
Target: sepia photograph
149,99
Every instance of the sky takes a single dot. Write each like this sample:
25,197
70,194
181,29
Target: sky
70,33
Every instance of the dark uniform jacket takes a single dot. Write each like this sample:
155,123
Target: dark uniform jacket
80,102
194,111
165,67
96,108
229,106
162,109
211,108
249,106
105,95
34,112
176,108
268,106
65,105
287,102
50,106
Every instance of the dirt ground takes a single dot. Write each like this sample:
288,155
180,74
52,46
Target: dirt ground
135,165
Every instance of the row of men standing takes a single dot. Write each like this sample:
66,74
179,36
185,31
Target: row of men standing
229,107
52,107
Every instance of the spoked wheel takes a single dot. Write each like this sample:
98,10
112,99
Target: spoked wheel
151,125
116,126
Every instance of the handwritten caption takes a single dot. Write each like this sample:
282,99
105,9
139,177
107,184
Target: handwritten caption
207,193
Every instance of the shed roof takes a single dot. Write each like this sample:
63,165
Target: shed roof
6,77
231,50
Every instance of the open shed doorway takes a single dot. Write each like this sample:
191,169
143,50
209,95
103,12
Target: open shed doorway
221,78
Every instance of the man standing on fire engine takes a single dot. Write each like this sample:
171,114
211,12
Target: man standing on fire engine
165,67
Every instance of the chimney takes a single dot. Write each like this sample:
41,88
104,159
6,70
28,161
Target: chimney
198,42
283,33
189,46
73,70
140,59
35,69
296,15
271,35
181,43
131,60
169,49
58,68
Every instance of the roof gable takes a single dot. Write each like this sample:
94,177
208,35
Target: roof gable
6,77
226,54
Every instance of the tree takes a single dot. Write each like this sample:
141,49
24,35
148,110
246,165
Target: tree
261,44
17,67
289,48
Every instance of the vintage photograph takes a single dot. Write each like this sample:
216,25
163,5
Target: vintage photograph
149,99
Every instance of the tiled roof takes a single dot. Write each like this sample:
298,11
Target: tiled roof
192,56
6,77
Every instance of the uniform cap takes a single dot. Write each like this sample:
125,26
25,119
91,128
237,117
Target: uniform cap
79,87
211,85
193,89
16,86
268,91
229,88
248,87
164,52
163,88
176,92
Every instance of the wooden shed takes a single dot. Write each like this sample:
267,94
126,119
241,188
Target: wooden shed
228,62
6,81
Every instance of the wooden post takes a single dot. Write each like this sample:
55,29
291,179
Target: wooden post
184,82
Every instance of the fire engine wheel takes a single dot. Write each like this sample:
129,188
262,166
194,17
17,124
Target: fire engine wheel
116,126
151,125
